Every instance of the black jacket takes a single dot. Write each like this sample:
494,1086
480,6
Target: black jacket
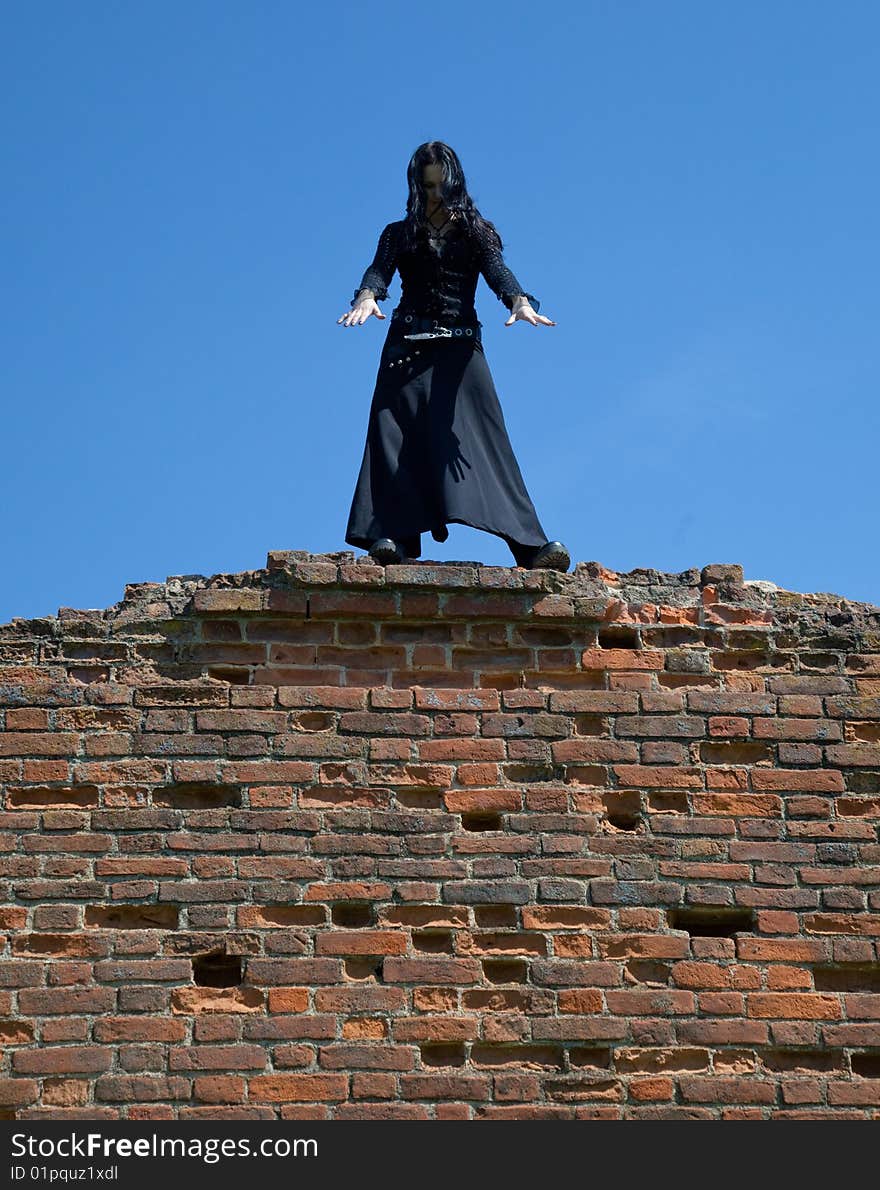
441,283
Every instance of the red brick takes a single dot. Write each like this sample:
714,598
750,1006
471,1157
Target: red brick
715,1089
351,891
477,750
467,801
360,999
34,743
432,971
217,1057
815,780
794,1005
794,950
865,1094
17,1092
219,1089
288,999
138,1028
658,777
48,1001
436,1028
444,1086
65,1092
648,1089
367,1057
235,1000
867,924
623,659
644,946
309,1088
516,1087
378,1111
287,1056
62,1060
141,1088
373,1086
456,700
639,1003
355,942
364,1029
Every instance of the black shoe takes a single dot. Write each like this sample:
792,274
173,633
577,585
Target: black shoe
551,556
386,552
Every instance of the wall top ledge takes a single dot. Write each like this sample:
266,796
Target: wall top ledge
590,590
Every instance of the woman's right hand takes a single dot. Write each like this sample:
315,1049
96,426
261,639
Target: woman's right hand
360,313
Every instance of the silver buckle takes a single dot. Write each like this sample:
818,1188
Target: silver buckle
442,332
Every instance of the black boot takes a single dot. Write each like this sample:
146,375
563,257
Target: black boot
386,552
552,555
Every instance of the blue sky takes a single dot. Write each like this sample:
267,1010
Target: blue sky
193,189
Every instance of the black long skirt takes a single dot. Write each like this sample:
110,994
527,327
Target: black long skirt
437,450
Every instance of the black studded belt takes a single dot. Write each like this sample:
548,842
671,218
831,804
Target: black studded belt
418,327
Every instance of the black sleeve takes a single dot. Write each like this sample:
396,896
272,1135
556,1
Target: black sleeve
379,274
498,276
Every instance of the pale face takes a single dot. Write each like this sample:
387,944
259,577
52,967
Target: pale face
432,177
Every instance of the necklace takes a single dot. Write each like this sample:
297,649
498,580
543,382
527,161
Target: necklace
434,231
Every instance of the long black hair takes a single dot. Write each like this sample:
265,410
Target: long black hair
453,191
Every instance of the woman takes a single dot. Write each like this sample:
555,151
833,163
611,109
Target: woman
437,449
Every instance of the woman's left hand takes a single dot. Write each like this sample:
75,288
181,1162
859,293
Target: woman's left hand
527,314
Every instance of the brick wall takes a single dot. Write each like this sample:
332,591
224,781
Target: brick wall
442,841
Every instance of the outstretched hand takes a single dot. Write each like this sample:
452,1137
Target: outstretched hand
527,314
360,313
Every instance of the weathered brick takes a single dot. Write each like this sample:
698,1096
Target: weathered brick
226,1000
138,1028
217,1057
354,942
17,1092
62,1060
431,971
141,1088
309,1088
445,1086
61,1000
367,1057
726,1090
441,841
474,892
219,1089
794,1005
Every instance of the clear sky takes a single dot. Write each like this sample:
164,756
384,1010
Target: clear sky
192,189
